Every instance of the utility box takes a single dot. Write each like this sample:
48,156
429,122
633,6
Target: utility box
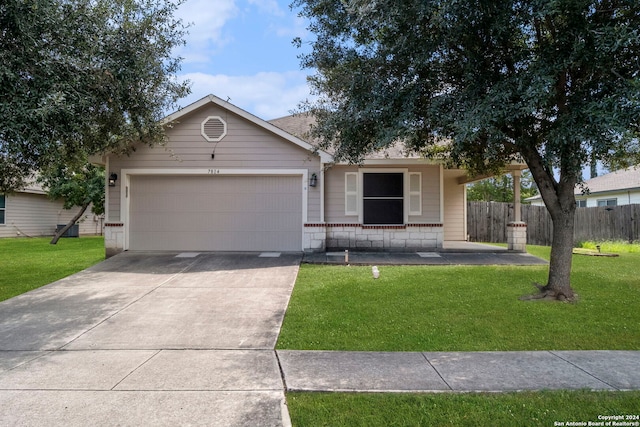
73,231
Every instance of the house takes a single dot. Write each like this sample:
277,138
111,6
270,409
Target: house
29,212
621,187
229,181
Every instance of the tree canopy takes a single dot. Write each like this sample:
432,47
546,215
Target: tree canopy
81,187
79,77
479,83
500,189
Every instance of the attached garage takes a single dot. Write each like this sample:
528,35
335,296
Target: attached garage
216,213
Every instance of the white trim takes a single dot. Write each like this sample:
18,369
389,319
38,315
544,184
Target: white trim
464,212
442,194
322,192
106,190
128,173
207,137
324,156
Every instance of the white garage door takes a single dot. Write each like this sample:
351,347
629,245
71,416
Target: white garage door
215,213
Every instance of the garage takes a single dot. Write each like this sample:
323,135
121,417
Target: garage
215,213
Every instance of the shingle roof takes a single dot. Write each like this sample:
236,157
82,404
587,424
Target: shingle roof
299,125
624,179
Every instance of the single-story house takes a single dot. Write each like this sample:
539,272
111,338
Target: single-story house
621,187
227,180
30,213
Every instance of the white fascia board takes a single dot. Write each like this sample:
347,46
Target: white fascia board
324,156
214,171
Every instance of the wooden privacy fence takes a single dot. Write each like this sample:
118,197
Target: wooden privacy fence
487,222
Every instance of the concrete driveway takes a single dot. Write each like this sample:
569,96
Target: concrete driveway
149,339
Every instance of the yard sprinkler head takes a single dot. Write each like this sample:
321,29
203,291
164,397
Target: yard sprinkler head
375,272
598,248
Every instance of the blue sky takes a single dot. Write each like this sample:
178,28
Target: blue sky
242,50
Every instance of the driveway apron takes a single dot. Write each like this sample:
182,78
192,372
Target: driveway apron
150,339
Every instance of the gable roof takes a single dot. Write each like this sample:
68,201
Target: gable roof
620,180
212,99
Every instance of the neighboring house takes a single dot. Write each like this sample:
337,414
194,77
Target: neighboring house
229,181
621,187
29,212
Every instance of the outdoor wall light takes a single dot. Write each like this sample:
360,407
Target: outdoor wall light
314,180
112,179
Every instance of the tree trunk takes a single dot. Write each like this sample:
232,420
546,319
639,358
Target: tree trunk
73,220
560,202
559,281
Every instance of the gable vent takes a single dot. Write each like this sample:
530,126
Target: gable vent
213,128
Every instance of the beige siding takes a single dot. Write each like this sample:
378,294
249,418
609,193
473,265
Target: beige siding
335,197
29,214
216,213
454,208
246,146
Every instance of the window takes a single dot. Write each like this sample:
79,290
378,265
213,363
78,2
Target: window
581,203
383,198
608,202
2,208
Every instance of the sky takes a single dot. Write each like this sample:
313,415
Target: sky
242,50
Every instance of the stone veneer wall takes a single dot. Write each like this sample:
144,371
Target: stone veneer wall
319,237
517,236
113,238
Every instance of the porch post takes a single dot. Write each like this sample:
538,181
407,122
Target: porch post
516,195
516,230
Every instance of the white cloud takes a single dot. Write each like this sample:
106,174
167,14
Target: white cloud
268,95
206,19
268,6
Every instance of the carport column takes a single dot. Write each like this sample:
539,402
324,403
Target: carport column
516,230
113,238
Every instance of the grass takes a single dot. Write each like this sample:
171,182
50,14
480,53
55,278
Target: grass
432,308
612,246
28,263
463,308
508,409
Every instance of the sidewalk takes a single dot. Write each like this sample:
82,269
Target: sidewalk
459,371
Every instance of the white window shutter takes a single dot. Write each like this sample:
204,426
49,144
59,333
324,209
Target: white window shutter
351,193
415,193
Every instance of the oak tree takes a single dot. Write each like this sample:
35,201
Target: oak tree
480,83
79,77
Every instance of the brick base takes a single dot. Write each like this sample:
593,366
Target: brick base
517,236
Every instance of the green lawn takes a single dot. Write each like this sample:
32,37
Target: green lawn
486,409
28,263
431,308
463,308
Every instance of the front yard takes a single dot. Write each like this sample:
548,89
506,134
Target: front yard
460,308
28,263
463,308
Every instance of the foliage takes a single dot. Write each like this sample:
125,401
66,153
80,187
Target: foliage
616,247
459,409
500,189
463,308
82,188
479,84
28,263
80,77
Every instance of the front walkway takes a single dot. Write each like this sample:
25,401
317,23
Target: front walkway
452,253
